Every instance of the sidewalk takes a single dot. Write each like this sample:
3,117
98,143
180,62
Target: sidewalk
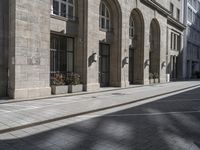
18,115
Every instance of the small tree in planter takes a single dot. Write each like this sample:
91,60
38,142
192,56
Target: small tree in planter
156,77
151,80
74,84
58,85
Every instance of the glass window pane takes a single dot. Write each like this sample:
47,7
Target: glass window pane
71,1
63,10
70,62
107,24
103,9
107,14
63,43
55,7
102,23
63,62
70,12
70,44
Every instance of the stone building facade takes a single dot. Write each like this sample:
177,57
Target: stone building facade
112,43
4,21
191,38
175,37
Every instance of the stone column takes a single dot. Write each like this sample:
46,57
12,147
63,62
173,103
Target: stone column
182,60
175,67
29,56
171,66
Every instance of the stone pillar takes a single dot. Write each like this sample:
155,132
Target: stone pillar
171,66
182,61
164,50
125,51
175,67
29,56
81,60
168,56
189,69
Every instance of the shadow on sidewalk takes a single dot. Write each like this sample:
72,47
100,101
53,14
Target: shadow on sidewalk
167,124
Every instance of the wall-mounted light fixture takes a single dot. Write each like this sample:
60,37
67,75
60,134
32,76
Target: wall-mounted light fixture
164,64
147,63
94,57
126,60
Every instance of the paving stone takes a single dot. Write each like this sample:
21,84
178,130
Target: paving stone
157,125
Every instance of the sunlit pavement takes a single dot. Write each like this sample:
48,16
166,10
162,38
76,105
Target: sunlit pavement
171,123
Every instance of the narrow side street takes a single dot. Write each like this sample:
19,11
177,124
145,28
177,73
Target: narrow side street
169,123
22,114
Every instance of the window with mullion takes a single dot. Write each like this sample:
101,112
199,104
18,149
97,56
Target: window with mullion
70,55
132,29
61,55
104,17
56,7
64,8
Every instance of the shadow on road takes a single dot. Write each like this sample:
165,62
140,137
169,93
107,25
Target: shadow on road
167,124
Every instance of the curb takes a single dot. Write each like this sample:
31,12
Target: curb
74,94
91,111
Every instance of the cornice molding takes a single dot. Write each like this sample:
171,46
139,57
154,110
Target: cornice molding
175,22
155,5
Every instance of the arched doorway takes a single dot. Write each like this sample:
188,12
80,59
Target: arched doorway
154,53
110,24
136,48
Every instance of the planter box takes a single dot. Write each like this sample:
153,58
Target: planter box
151,81
63,89
156,80
75,88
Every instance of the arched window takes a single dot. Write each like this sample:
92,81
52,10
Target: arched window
104,17
132,28
64,8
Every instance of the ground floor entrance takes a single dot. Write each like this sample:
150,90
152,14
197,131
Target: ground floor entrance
131,65
3,84
174,64
104,65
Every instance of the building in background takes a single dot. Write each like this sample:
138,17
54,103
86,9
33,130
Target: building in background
109,43
191,38
175,43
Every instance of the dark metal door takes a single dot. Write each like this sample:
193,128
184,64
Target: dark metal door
104,65
131,65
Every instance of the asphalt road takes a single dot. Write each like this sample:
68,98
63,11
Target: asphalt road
172,123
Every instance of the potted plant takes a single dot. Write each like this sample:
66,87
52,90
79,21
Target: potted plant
58,85
151,80
74,84
156,77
